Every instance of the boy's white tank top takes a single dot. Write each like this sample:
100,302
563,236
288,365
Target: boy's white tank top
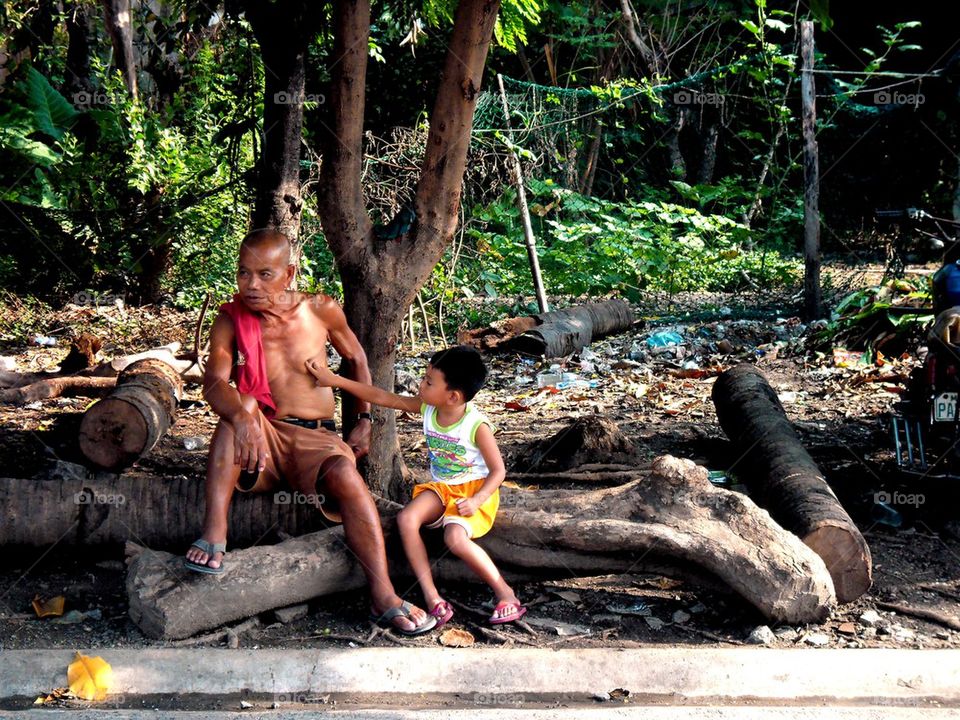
454,455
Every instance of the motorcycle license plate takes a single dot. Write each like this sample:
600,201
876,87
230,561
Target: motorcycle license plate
945,407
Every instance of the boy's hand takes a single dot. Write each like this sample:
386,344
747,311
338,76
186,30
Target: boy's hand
319,370
468,506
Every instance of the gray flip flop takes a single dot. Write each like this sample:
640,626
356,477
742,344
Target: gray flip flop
209,549
403,610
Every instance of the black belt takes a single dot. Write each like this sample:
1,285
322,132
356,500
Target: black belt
327,424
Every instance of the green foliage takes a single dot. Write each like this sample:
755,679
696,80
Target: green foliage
589,246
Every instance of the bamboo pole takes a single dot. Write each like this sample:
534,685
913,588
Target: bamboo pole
812,295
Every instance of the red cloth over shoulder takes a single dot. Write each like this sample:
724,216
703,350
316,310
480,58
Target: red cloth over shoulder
250,372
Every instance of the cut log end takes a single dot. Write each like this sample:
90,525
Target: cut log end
847,558
113,434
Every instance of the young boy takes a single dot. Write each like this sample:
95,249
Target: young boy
466,466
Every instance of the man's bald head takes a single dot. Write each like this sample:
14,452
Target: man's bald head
267,243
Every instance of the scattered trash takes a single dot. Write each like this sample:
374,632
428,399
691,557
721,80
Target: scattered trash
883,514
664,338
455,637
870,618
89,678
8,363
48,608
549,377
560,628
847,628
843,358
619,694
44,341
718,478
639,608
680,617
816,639
244,705
75,617
567,595
654,623
787,398
761,635
194,442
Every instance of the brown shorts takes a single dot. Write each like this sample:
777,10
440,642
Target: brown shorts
296,455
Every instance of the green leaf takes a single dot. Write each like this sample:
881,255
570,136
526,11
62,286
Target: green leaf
53,115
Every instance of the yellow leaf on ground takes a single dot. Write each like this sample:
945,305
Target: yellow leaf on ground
90,677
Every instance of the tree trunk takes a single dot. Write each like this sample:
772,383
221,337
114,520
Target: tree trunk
127,424
119,22
284,30
73,507
80,31
670,522
381,278
784,478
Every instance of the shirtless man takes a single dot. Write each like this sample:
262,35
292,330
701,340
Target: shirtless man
251,452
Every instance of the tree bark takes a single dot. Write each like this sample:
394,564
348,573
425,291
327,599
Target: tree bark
46,388
284,30
784,478
71,506
381,278
127,424
80,31
672,521
553,334
119,23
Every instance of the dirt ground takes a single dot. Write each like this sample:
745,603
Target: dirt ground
660,398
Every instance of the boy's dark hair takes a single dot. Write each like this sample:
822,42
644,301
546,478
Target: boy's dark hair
462,368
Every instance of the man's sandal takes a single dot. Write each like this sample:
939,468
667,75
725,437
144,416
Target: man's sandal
516,611
209,549
403,610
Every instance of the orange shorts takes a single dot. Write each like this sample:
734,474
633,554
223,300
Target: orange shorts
477,524
296,455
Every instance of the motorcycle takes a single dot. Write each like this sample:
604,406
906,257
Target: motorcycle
926,424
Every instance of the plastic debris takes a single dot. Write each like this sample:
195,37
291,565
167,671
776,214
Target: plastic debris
664,338
886,515
194,442
44,341
48,608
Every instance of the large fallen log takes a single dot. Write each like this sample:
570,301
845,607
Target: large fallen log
783,478
553,334
130,421
69,506
671,521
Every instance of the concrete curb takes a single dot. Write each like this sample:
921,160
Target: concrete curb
760,674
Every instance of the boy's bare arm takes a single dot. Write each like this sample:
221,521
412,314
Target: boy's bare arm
368,393
497,472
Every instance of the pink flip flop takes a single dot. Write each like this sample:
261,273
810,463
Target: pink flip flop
518,612
442,611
